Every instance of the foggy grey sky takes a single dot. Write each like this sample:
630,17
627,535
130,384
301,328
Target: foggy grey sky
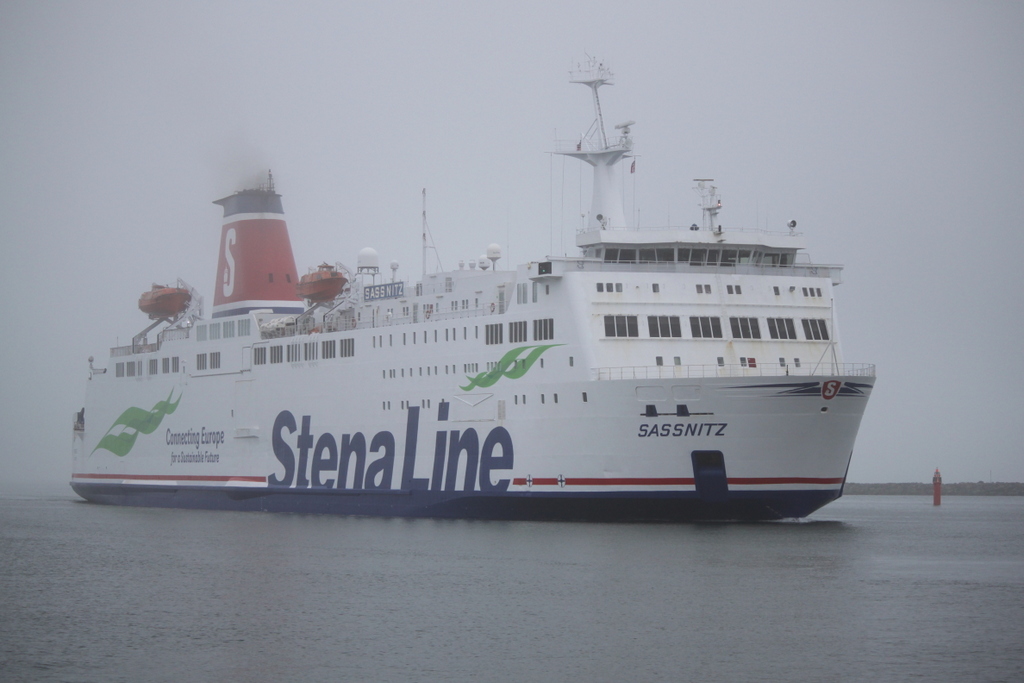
893,132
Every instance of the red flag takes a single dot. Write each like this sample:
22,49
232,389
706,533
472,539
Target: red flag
632,168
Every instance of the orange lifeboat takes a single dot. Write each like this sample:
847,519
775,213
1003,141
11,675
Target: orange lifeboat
323,284
164,302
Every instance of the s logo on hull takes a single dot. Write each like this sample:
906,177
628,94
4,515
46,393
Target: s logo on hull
830,388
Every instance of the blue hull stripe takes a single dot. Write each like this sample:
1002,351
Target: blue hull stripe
654,506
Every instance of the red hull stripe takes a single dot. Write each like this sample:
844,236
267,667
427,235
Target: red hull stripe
672,481
518,481
170,477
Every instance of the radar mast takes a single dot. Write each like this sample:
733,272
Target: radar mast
710,203
606,210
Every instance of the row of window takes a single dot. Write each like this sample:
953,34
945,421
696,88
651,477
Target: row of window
525,293
706,289
467,369
226,329
745,361
543,329
696,257
214,361
395,373
304,351
517,399
710,327
133,368
450,334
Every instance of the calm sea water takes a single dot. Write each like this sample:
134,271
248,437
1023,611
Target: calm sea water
871,587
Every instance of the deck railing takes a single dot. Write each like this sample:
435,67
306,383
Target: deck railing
831,271
760,370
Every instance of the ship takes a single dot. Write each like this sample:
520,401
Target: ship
662,373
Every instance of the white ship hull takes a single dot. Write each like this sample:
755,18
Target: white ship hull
534,448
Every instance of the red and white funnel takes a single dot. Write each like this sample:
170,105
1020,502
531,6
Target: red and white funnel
256,268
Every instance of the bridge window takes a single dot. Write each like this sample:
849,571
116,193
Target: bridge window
517,332
781,328
815,328
664,326
705,327
543,329
745,328
621,326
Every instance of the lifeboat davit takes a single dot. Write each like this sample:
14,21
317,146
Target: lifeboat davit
164,302
323,284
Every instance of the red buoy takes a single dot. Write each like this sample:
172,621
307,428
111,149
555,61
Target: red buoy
936,488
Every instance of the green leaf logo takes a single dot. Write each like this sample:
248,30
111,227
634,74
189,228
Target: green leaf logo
133,422
510,366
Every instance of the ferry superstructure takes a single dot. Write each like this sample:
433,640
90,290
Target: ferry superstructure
662,374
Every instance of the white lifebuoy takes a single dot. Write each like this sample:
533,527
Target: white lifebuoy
426,313
492,308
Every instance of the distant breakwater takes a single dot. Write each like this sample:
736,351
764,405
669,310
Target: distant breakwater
979,488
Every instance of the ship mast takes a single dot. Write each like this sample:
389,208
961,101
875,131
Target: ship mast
424,254
606,210
710,202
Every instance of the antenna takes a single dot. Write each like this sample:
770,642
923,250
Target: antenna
710,202
594,74
426,231
602,156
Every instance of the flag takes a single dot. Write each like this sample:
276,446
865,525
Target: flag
632,168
